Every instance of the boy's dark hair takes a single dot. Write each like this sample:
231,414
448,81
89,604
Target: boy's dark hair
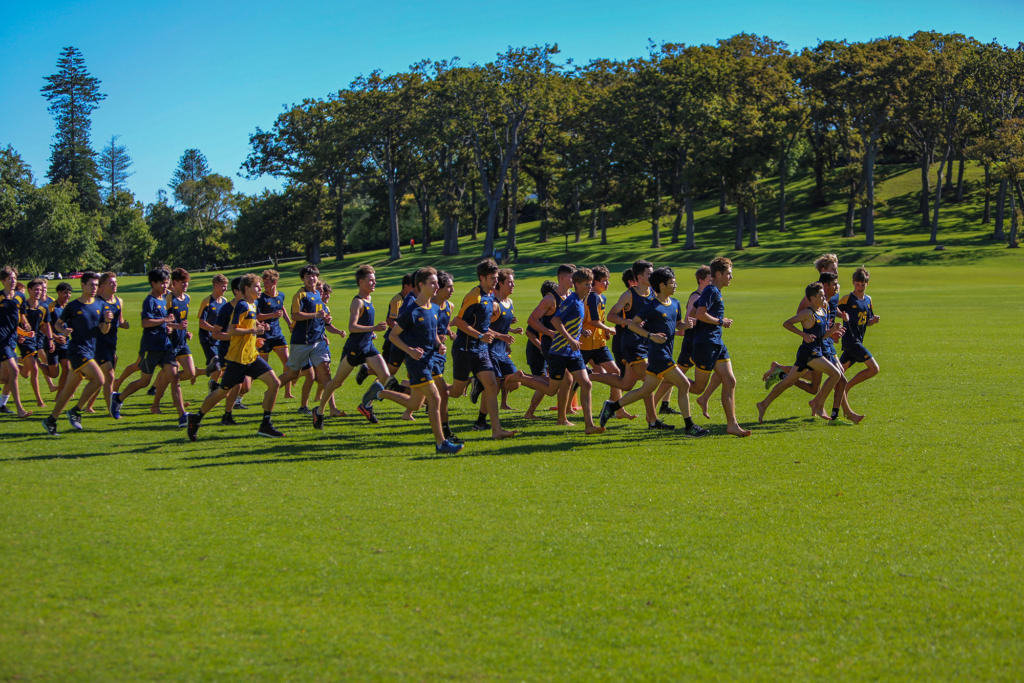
271,274
221,279
639,266
720,265
64,287
600,273
156,275
504,274
861,275
20,287
814,289
36,282
326,288
90,275
422,275
627,276
248,280
581,275
362,271
565,269
105,277
7,271
703,272
486,267
407,279
308,270
827,278
236,283
444,279
180,275
548,287
660,276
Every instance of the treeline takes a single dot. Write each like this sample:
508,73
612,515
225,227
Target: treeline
443,151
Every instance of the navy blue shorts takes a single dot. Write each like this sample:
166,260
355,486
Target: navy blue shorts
78,359
235,373
597,356
804,356
9,350
707,356
385,348
58,354
29,349
420,371
357,357
503,366
631,355
106,356
535,359
659,366
685,359
210,352
559,366
854,352
182,350
440,360
396,356
465,363
154,360
271,343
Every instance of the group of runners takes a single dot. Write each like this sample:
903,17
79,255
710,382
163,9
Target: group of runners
573,340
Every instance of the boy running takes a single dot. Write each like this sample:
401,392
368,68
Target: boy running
106,344
33,314
861,315
10,320
177,302
57,364
208,311
270,310
243,361
595,347
309,341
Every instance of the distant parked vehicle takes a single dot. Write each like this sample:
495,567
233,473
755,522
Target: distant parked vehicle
49,276
75,275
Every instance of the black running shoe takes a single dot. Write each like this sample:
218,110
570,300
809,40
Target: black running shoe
75,418
239,405
478,388
212,385
228,420
50,424
367,412
4,410
362,373
392,384
193,427
318,420
267,429
372,394
477,427
152,391
455,440
304,410
835,413
667,409
658,424
696,432
606,413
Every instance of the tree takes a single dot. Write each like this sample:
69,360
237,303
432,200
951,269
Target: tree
264,227
127,242
208,209
73,95
64,236
113,168
17,193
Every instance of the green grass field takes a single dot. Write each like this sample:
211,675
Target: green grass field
890,550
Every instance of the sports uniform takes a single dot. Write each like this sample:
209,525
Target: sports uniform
470,355
563,358
860,312
634,347
661,318
273,337
685,360
359,345
83,321
241,358
708,348
419,330
595,347
179,338
809,350
106,344
308,344
157,347
208,311
499,350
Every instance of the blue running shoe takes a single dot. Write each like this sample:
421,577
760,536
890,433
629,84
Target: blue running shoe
115,405
448,448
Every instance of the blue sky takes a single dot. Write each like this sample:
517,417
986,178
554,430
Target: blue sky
206,74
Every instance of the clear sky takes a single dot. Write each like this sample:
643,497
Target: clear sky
206,74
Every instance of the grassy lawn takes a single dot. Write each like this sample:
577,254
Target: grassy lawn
889,550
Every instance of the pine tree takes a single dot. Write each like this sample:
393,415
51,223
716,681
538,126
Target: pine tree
73,94
114,163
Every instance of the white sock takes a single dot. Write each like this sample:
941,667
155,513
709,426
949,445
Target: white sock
3,399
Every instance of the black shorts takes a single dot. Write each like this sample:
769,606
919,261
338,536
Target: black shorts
707,356
106,356
597,356
79,359
535,359
58,354
154,360
659,366
465,363
9,350
396,357
804,356
357,357
854,352
420,371
235,373
182,351
29,349
271,343
503,366
559,366
633,354
685,359
210,352
440,360
385,348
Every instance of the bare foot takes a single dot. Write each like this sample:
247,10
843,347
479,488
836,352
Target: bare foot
156,410
594,429
553,408
40,403
90,410
764,377
704,407
854,417
185,404
505,406
736,430
408,417
574,409
760,411
566,423
512,381
53,387
503,434
623,415
338,413
24,413
193,381
531,416
818,412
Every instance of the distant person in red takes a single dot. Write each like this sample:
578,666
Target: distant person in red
412,246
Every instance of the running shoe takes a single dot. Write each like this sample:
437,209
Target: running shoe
448,448
193,427
478,388
667,409
267,429
183,420
607,413
50,425
362,373
152,391
115,405
318,420
367,412
239,405
696,432
777,376
372,394
4,410
477,427
455,440
304,410
228,420
75,418
212,385
658,424
392,384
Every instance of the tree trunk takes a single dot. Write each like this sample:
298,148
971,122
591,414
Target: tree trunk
949,176
677,224
851,210
723,207
604,228
314,252
999,233
691,242
593,219
783,162
543,198
960,179
656,215
513,212
986,216
339,222
476,211
493,214
1013,217
740,219
752,217
446,227
454,249
871,150
926,189
425,222
504,216
819,198
396,248
938,198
